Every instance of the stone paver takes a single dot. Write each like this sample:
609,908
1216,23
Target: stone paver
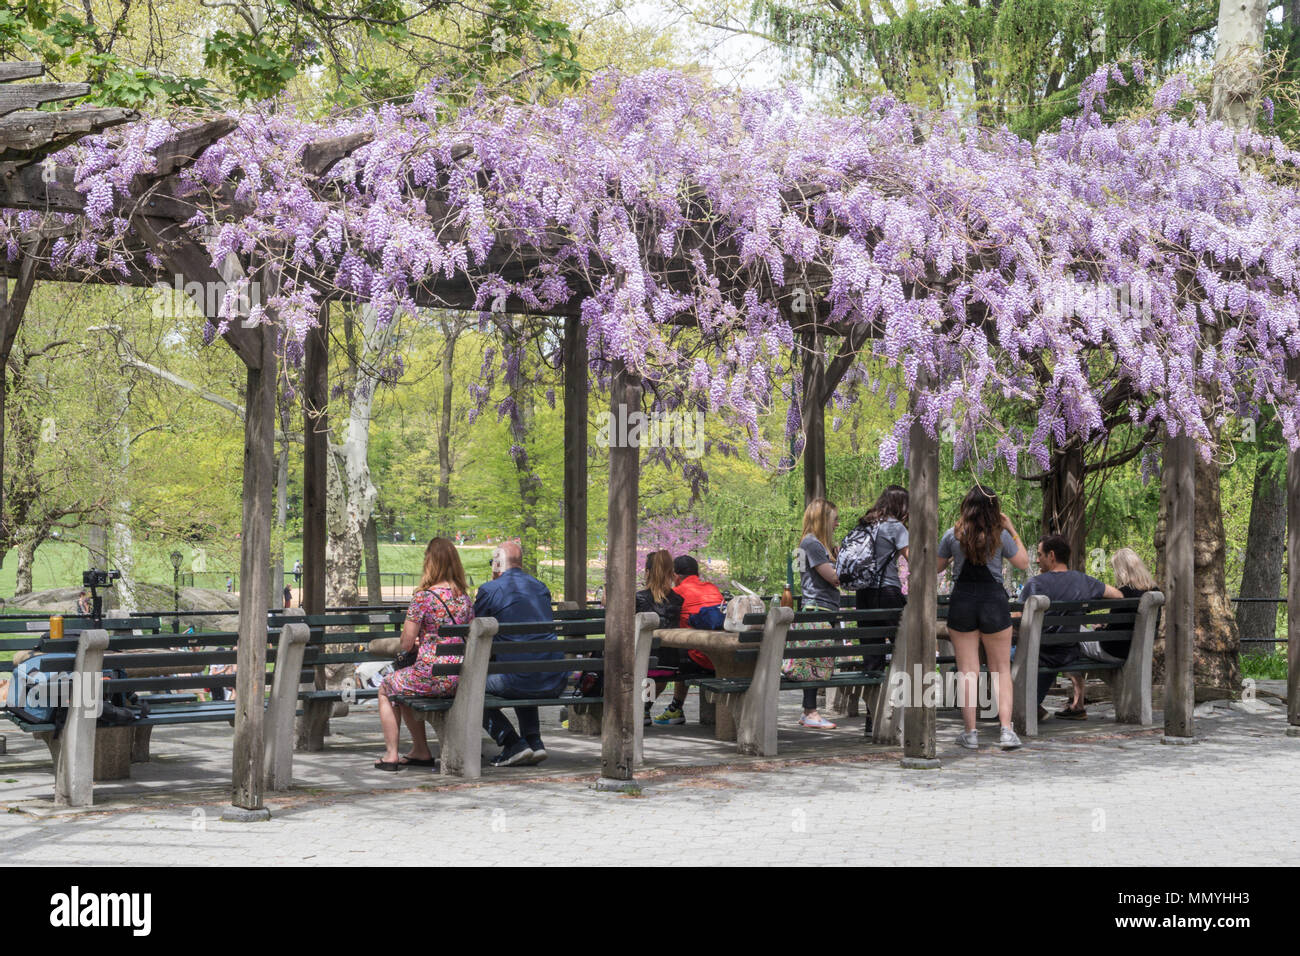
1081,795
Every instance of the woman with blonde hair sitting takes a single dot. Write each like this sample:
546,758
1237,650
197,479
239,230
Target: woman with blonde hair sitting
1133,580
815,558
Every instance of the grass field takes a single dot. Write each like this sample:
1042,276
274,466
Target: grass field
60,563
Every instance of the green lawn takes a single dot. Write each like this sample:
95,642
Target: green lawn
60,563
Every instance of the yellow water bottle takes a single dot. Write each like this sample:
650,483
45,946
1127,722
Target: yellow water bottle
56,627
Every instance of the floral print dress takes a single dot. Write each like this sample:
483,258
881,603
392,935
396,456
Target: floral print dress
432,609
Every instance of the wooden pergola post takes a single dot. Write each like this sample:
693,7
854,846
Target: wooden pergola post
617,730
921,615
1293,576
315,407
1179,490
575,462
254,586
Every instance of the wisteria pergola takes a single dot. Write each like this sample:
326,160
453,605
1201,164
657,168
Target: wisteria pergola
692,240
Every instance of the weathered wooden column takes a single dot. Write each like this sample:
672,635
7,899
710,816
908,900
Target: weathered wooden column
813,413
1179,491
1293,577
617,730
575,461
13,305
315,406
921,614
254,583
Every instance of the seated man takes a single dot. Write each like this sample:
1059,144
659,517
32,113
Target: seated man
1058,583
695,594
514,597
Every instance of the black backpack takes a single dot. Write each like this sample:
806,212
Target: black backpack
856,564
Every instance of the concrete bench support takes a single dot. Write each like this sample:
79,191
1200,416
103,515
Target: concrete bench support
1024,669
277,758
646,623
74,762
462,737
1131,684
756,710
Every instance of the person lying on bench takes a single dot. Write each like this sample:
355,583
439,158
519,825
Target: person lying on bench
515,597
695,593
1059,584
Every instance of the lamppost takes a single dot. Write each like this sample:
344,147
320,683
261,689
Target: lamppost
177,558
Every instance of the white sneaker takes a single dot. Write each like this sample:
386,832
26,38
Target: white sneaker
819,722
1009,740
970,739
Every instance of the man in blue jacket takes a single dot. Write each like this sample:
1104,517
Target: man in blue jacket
514,597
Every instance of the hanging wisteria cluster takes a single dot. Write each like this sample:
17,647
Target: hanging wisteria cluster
696,231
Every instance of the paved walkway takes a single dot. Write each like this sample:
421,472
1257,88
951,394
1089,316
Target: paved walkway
1083,794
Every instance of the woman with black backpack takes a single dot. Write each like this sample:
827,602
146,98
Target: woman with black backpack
868,561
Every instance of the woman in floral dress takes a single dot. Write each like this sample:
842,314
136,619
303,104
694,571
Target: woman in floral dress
440,601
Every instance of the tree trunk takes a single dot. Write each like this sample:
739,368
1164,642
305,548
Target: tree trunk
374,583
450,331
1261,575
26,549
530,485
351,495
123,539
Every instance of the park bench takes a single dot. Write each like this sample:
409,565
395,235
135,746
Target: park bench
84,752
753,700
1131,620
342,638
458,720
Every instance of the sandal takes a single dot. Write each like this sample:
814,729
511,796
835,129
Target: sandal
392,767
409,761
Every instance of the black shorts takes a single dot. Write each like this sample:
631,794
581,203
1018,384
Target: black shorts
978,607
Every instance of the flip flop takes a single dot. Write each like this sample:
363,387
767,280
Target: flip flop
413,762
393,767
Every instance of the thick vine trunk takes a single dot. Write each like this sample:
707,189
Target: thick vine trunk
1063,501
1217,667
1261,575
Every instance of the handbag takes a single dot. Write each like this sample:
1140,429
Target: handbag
408,658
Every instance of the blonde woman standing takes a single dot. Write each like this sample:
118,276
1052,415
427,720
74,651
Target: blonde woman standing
815,558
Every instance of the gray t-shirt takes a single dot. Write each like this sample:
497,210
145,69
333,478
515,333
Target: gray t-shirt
1059,586
891,538
816,589
949,547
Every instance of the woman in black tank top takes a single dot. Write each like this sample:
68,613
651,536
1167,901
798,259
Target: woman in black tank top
978,611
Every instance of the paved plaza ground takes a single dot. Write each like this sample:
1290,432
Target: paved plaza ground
1091,793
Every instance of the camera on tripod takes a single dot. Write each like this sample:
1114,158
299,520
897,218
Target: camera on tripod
95,578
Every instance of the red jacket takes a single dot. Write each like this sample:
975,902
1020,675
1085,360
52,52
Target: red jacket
696,594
